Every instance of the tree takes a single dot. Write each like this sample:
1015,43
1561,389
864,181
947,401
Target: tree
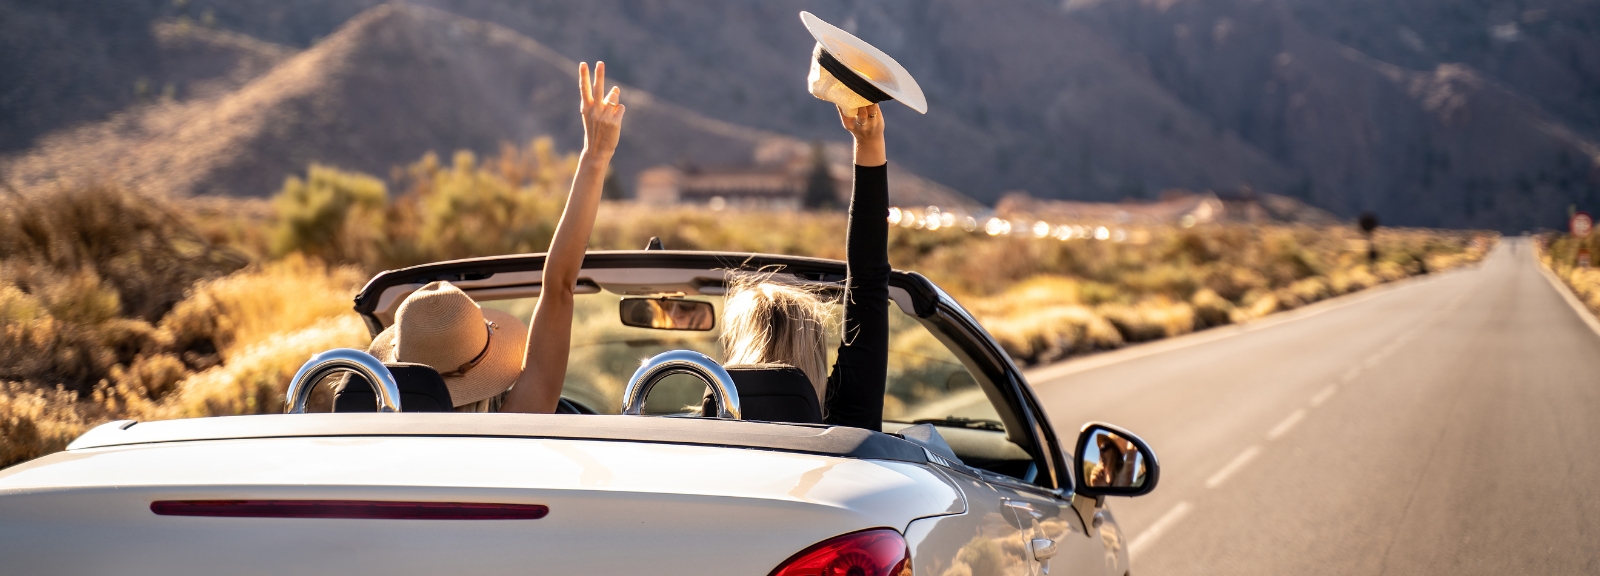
611,188
820,193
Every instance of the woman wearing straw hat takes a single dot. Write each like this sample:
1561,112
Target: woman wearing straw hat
489,361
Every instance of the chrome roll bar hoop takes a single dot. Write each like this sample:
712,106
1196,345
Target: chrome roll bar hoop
342,360
688,362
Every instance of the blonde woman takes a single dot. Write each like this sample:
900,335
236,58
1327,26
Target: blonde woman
488,360
772,325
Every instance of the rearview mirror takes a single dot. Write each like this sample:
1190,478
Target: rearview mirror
1114,462
668,314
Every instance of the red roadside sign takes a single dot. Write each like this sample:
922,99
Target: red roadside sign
1581,224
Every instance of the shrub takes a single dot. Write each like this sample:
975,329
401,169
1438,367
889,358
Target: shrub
329,215
1559,253
83,274
248,306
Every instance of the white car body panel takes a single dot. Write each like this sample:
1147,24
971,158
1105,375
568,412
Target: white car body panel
615,507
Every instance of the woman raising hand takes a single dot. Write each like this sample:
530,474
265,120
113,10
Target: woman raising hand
544,366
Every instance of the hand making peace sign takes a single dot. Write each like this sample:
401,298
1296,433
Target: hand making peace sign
602,116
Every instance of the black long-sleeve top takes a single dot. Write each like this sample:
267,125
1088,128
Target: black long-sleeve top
861,372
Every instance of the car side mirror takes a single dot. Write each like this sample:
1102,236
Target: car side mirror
667,314
1114,462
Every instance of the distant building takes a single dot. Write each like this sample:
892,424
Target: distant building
776,179
773,187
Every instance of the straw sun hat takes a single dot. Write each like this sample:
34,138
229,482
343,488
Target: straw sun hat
852,74
478,352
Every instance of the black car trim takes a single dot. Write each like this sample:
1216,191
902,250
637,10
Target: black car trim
927,303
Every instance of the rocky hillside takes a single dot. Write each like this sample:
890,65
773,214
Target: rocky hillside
1442,146
1431,112
394,82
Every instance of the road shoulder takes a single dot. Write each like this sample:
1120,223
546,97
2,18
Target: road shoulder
1572,299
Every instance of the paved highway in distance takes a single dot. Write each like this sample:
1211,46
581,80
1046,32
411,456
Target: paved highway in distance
1445,425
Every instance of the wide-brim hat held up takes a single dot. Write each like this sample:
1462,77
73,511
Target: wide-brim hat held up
851,73
478,352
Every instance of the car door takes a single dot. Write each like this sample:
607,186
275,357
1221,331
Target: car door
1018,520
988,539
1054,537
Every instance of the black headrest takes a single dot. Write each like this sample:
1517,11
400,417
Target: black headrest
421,390
772,395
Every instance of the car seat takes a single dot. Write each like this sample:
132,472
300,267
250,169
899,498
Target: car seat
771,394
421,390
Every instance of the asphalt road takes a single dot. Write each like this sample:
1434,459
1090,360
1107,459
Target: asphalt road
1446,425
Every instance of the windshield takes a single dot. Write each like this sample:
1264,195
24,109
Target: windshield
927,382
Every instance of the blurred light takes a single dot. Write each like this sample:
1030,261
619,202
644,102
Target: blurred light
1080,232
1005,225
994,227
894,215
1187,221
718,203
933,222
947,220
932,211
1063,233
970,225
1101,233
919,223
908,219
1119,235
1041,228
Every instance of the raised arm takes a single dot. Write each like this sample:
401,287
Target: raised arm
544,368
856,386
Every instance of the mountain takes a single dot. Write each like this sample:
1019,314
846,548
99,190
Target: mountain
393,83
1431,112
1444,146
1545,50
1021,96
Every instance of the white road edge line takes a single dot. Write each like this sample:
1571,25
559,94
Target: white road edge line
1324,395
1153,533
1238,462
1040,375
1572,299
1286,425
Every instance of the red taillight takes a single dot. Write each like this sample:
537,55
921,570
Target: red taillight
876,552
354,509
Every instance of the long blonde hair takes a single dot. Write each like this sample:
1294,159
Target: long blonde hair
774,320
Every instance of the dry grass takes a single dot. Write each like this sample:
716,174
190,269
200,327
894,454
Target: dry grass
114,305
1559,253
1085,296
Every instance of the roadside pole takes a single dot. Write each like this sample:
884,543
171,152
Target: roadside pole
1580,226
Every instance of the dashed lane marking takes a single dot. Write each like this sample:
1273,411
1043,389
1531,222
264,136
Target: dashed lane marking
1238,462
1324,395
1286,425
1153,533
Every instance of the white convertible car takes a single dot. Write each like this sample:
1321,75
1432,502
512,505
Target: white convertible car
967,477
